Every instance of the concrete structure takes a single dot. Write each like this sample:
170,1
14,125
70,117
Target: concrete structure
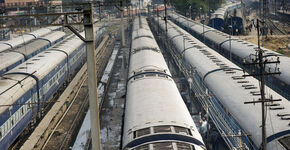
19,1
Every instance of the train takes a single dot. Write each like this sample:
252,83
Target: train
234,24
228,89
26,38
239,52
27,88
218,18
155,113
13,57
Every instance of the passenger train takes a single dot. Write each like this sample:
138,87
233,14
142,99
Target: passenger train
156,116
30,85
238,50
218,18
13,57
26,38
228,91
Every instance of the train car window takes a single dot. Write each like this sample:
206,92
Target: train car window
163,145
12,121
134,135
142,147
181,130
184,146
283,84
7,125
285,141
16,115
142,132
158,129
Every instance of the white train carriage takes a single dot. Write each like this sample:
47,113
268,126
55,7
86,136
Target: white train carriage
238,51
11,58
25,38
28,86
155,116
229,90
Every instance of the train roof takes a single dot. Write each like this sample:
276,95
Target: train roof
38,66
232,94
9,58
40,42
25,38
240,48
15,85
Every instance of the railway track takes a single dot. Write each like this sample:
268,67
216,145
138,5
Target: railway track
61,134
65,130
57,130
274,28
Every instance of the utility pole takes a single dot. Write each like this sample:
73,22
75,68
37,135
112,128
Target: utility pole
261,62
100,4
122,23
165,17
92,77
139,7
128,11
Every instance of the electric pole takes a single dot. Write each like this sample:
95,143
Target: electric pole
261,61
100,4
165,17
122,23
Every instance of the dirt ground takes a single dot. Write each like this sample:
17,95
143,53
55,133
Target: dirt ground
275,42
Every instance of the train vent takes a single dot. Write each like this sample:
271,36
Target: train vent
211,57
272,104
158,129
142,147
142,36
276,108
250,87
284,116
197,46
146,48
184,146
22,68
255,93
285,141
247,85
163,146
229,71
239,78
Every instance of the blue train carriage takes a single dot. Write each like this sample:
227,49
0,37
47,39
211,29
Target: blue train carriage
218,18
237,50
28,86
217,21
148,123
227,108
235,20
13,57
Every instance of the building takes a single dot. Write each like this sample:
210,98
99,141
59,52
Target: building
19,1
